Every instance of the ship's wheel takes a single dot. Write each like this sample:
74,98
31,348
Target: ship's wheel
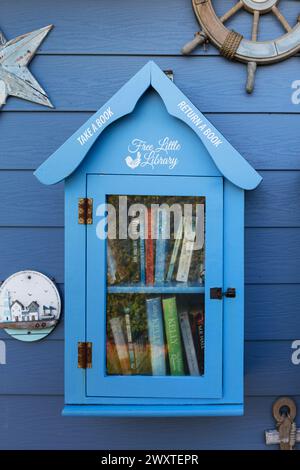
233,45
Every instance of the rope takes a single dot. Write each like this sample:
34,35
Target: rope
293,435
231,44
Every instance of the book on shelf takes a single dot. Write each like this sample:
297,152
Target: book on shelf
173,336
135,251
188,342
121,344
187,249
200,225
111,266
140,351
156,336
200,340
142,250
149,250
161,245
112,360
129,339
177,242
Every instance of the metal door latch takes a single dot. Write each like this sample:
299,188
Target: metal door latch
218,294
286,433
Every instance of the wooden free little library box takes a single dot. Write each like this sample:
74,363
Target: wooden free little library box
154,257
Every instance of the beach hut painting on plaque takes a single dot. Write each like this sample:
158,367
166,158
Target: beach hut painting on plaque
30,306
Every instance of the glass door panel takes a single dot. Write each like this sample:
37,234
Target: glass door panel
155,285
155,334
152,258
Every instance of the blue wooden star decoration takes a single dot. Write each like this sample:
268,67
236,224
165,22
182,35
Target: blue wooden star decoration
15,78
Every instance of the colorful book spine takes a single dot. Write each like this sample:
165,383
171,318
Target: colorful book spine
135,251
120,343
137,353
141,354
111,266
129,339
161,243
201,341
142,251
173,336
200,225
149,251
186,251
112,360
178,239
156,336
193,327
188,343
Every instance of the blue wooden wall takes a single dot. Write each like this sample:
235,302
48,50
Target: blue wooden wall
95,47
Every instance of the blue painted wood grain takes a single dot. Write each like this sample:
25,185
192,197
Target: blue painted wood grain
40,249
37,368
41,133
66,77
272,254
141,28
35,205
85,433
271,313
275,203
267,141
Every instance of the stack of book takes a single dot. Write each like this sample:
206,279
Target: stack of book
157,258
175,344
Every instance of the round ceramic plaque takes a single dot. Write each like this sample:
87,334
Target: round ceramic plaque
30,306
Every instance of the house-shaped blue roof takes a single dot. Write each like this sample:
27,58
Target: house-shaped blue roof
69,156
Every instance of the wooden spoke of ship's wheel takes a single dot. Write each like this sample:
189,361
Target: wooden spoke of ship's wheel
201,37
235,46
252,66
231,12
255,24
282,19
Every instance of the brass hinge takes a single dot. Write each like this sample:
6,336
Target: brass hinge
85,211
84,355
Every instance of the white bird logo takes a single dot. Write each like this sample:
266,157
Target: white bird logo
133,163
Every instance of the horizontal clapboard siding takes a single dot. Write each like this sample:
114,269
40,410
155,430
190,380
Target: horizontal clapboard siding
74,82
268,368
40,249
93,50
31,413
271,312
275,203
261,139
106,27
272,254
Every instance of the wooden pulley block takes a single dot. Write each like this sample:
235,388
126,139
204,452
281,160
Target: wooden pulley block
286,434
